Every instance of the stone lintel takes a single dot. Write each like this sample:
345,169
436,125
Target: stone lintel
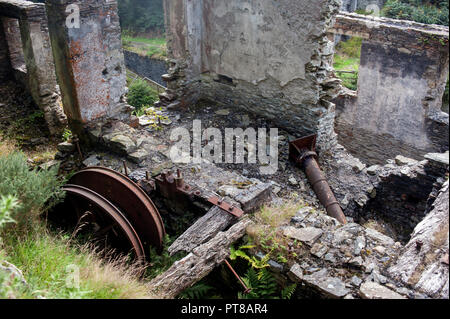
400,33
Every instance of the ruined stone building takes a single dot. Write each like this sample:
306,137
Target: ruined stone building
26,54
271,60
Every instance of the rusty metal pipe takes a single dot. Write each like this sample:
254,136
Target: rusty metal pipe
303,153
322,189
247,290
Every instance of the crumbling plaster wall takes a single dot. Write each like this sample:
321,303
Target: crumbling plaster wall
402,77
271,58
89,60
40,74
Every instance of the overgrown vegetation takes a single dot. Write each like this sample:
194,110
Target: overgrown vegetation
423,11
36,190
141,95
155,48
258,278
160,262
67,135
263,285
52,265
347,60
262,238
8,204
266,234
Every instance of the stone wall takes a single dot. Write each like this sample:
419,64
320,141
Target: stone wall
402,77
15,48
423,262
37,55
13,39
403,192
145,66
89,60
269,58
5,65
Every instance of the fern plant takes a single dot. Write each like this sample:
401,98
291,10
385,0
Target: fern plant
259,279
288,292
252,260
160,262
263,285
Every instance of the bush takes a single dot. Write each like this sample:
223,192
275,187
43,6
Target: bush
141,95
36,191
350,48
423,11
8,204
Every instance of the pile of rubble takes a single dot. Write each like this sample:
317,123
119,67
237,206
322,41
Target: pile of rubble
353,261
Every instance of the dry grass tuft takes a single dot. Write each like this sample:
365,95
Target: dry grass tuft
277,215
6,147
117,275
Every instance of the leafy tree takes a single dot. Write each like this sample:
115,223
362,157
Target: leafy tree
142,16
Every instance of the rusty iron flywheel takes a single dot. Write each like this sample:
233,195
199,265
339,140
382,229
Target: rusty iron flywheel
139,218
104,220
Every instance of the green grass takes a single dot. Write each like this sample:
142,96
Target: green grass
48,260
155,48
347,58
344,63
49,263
157,41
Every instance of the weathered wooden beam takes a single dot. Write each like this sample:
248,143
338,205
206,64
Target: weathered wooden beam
198,264
217,220
204,229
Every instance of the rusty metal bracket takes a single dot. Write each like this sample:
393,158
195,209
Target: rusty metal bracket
174,187
303,153
233,210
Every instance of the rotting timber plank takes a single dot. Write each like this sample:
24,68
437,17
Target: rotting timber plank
204,229
217,220
198,264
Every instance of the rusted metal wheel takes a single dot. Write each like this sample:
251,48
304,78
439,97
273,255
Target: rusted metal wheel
93,214
132,201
